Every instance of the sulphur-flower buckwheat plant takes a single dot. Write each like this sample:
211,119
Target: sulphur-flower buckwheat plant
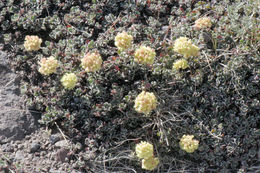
188,144
203,23
123,41
144,150
150,163
184,47
145,102
145,55
91,62
69,80
32,43
180,64
48,66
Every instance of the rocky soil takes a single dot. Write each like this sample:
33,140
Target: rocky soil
15,120
24,145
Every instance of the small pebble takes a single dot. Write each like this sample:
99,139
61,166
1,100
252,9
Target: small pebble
27,137
37,154
8,148
20,146
43,153
15,146
44,169
35,147
19,155
62,154
61,144
54,138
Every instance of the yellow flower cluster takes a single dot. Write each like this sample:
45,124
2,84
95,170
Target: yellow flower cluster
69,80
180,64
203,23
145,55
144,151
32,43
123,41
184,46
150,164
48,66
145,102
91,62
188,144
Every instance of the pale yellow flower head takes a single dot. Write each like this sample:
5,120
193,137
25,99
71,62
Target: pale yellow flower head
180,64
188,144
145,55
69,80
123,41
184,46
145,102
48,66
91,62
144,150
32,43
150,163
203,23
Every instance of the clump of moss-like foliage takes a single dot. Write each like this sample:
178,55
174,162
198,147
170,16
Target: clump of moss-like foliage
216,97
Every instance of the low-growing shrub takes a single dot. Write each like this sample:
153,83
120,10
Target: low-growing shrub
216,99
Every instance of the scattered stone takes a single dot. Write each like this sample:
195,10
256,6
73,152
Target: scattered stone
37,154
20,146
61,144
7,148
19,155
27,137
43,153
62,154
3,139
35,147
44,169
54,138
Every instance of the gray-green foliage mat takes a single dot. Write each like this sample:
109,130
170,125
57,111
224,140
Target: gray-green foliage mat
216,99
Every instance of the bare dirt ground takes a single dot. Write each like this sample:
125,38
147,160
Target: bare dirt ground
40,152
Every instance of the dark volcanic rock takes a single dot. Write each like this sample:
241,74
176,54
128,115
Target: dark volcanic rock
15,120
